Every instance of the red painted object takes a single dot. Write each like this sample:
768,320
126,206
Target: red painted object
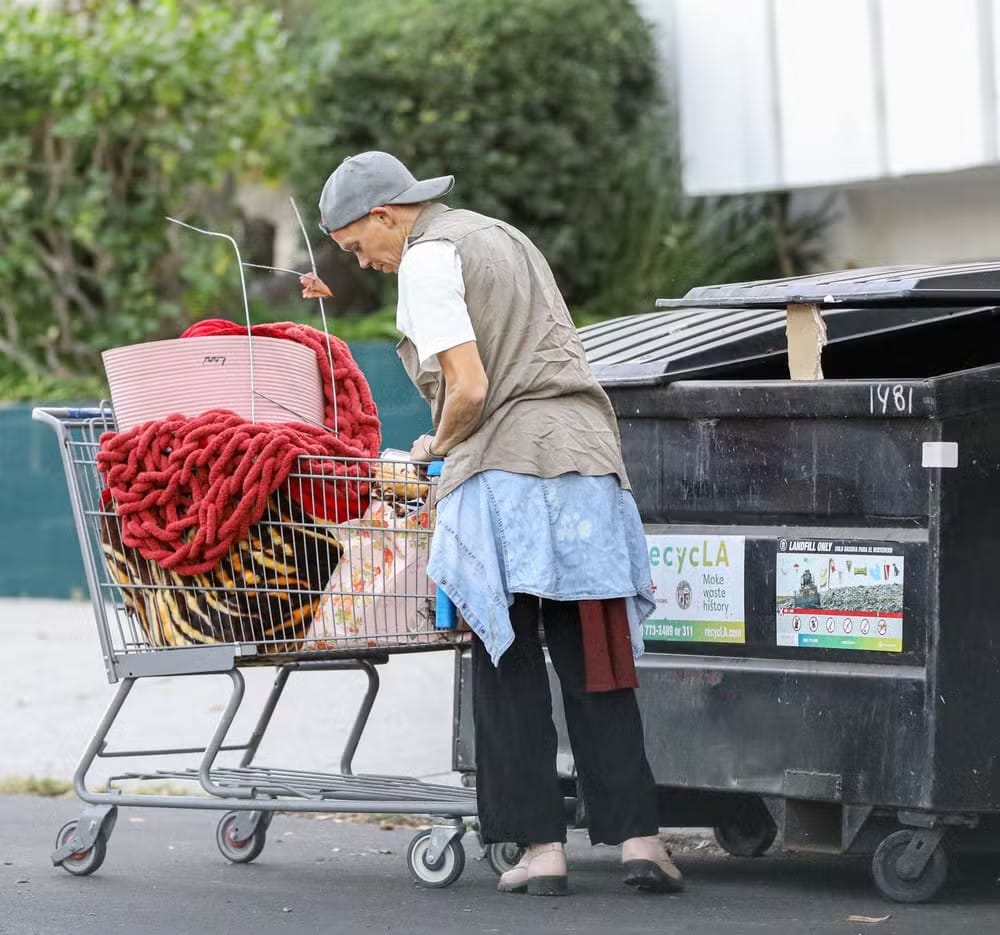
188,486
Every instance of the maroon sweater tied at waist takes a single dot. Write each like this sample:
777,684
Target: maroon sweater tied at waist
607,645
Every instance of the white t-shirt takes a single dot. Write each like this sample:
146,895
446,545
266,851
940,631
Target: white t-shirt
431,310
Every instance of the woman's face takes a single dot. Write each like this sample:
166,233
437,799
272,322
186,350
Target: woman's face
376,240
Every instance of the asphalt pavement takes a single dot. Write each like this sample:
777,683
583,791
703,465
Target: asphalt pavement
164,876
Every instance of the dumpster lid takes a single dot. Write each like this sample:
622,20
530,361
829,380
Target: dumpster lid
955,285
694,343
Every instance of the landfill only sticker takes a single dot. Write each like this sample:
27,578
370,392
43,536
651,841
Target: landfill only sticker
840,594
698,589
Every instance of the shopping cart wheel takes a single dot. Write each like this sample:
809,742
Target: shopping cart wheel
886,871
80,865
748,831
240,852
503,857
442,872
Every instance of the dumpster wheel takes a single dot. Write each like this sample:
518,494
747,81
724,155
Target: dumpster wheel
886,872
749,831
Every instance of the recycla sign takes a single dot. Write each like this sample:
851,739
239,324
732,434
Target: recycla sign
694,556
698,589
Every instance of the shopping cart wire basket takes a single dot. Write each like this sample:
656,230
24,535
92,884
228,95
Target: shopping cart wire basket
297,593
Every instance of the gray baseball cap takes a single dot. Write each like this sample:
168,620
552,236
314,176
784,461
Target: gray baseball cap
368,180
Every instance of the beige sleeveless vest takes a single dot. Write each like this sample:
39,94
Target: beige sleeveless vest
545,414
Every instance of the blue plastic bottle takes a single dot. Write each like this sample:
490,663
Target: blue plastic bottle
445,615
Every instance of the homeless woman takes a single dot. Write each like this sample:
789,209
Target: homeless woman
536,524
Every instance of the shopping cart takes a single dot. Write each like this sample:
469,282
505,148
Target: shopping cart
296,595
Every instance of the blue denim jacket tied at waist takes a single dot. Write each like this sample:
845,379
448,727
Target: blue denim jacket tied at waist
567,538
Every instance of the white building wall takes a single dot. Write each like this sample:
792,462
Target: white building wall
943,218
827,119
804,93
725,86
890,106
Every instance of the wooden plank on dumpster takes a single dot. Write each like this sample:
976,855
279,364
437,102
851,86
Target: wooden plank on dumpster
806,334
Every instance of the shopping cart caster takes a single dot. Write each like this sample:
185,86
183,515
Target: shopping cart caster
241,836
909,875
436,857
82,844
503,857
748,831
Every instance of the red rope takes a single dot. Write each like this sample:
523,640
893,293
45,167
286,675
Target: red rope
186,489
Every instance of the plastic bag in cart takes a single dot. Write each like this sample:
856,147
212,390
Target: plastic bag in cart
380,595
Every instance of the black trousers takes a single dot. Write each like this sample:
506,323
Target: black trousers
517,787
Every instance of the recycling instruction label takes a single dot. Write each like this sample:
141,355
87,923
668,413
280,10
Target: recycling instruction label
698,589
840,594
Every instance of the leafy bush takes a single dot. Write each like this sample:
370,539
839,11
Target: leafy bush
549,113
530,103
665,243
116,114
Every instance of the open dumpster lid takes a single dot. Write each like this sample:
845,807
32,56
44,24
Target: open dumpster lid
902,321
699,343
956,285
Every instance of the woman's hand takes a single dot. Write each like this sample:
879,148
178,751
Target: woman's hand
421,450
313,287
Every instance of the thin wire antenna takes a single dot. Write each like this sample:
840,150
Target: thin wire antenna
322,314
276,269
246,303
298,415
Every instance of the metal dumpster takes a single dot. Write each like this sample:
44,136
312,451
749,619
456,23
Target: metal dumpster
824,661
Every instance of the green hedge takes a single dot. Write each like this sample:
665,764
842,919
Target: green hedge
530,103
551,115
115,115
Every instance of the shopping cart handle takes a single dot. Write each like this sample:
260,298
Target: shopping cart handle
434,468
89,413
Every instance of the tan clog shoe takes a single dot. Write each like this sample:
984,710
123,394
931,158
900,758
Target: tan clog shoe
540,872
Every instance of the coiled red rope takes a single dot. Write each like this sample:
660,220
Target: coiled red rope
186,489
